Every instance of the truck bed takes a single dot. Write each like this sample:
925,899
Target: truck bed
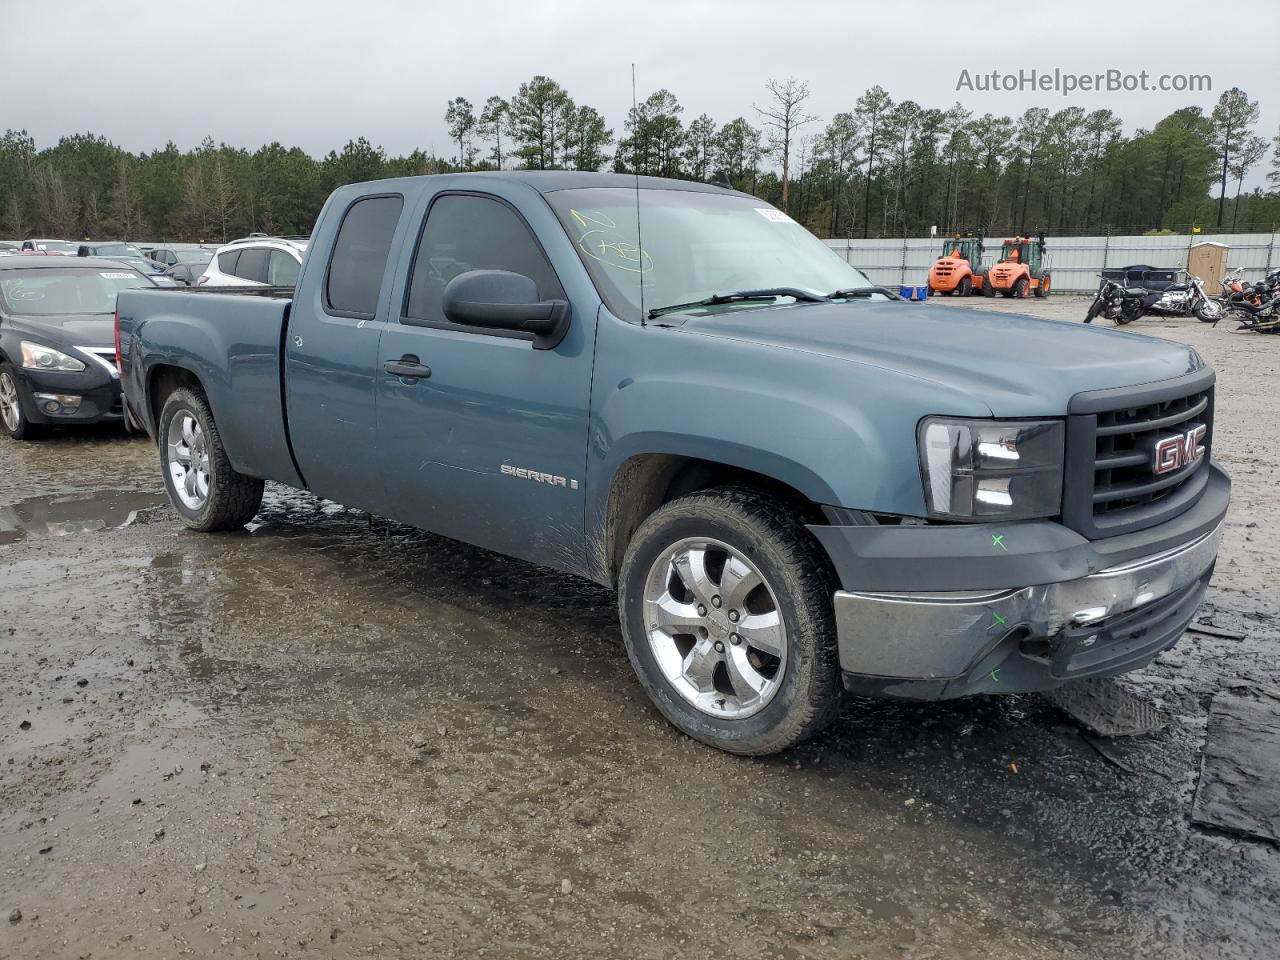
231,339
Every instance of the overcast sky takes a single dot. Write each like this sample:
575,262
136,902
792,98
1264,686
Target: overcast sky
316,73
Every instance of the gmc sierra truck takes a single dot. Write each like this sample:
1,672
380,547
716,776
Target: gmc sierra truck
798,486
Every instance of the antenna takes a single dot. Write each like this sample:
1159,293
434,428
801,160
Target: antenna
635,169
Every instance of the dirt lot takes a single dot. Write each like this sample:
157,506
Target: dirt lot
333,736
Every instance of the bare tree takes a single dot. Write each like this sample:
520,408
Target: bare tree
783,117
1247,154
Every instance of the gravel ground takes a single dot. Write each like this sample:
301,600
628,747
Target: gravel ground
333,736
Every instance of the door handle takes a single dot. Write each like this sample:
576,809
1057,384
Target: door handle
407,368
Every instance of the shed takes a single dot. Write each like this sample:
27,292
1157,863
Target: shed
1208,261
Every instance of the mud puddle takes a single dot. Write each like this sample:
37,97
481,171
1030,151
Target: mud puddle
66,515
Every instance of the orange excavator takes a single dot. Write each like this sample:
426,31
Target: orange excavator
959,269
1023,268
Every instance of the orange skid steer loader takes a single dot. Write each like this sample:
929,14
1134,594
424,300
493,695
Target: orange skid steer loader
1023,268
959,269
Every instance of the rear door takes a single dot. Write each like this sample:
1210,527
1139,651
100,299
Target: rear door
490,446
332,352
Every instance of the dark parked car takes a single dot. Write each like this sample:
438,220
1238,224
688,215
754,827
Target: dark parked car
186,273
57,345
148,268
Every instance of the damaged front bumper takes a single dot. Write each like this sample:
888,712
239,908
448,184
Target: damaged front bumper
1120,603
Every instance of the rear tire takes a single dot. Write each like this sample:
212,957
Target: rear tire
988,288
688,664
12,417
1042,288
966,286
205,490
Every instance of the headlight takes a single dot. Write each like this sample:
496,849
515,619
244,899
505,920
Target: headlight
35,356
992,469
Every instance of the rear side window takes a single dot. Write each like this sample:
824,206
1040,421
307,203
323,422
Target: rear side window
227,262
283,269
253,264
360,255
467,232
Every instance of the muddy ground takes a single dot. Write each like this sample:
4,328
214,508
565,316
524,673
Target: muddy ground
333,736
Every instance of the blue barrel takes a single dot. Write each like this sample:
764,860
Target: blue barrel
905,291
922,293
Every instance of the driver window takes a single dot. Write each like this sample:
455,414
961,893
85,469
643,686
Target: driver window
472,233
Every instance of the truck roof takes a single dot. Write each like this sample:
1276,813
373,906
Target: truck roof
548,181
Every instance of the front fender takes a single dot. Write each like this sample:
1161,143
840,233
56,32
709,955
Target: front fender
841,434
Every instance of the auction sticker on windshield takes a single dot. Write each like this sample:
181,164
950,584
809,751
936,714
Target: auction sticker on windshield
772,215
117,276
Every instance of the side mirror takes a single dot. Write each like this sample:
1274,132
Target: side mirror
501,300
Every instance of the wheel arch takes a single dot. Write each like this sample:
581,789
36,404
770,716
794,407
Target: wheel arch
162,380
646,481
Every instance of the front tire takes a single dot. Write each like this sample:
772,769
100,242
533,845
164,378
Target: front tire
726,608
966,286
12,417
205,490
1209,311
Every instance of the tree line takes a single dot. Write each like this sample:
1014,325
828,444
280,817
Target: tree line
882,168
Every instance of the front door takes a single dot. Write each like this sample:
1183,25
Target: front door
481,437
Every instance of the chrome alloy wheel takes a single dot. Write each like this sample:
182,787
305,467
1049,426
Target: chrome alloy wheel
10,409
188,460
714,628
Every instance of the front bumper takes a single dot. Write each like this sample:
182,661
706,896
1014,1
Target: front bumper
99,393
991,636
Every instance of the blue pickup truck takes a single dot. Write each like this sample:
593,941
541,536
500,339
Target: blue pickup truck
798,486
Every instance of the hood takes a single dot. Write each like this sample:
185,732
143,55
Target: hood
1017,365
74,331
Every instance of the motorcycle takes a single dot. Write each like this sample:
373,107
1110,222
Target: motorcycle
1186,298
1116,302
1257,308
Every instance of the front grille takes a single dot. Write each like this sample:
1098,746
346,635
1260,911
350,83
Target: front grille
1112,485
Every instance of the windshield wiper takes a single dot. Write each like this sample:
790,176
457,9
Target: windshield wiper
853,292
741,296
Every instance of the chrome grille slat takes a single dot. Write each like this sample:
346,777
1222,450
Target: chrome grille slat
1111,486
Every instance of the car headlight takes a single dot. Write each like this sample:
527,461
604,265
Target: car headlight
991,469
36,356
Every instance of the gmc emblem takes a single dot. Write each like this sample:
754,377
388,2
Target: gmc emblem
1173,453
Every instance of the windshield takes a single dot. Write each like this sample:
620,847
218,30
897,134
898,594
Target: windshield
115,249
54,293
696,244
56,246
193,256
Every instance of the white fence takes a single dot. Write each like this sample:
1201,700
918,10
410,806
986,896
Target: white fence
1074,261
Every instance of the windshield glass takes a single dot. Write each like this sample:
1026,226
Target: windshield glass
53,293
193,256
56,246
696,244
116,249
